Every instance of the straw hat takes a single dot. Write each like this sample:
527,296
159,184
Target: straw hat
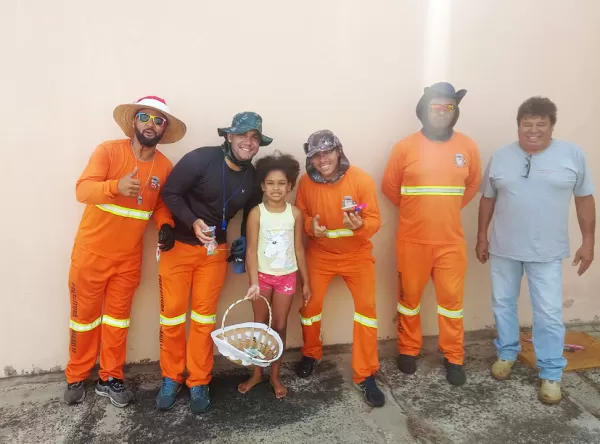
124,115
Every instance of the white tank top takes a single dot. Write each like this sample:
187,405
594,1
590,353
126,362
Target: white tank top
276,251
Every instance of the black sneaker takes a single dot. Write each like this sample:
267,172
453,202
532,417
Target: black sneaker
455,373
115,390
306,366
373,395
74,393
407,364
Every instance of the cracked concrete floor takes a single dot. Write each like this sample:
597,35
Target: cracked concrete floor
421,408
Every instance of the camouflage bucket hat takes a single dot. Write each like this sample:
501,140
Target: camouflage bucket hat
244,122
321,141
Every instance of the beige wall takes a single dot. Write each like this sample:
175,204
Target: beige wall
355,67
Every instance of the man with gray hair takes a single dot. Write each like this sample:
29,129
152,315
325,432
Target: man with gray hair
341,214
527,188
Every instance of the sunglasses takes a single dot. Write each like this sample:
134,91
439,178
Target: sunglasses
158,121
437,107
527,167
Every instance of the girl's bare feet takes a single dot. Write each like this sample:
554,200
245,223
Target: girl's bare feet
278,387
256,378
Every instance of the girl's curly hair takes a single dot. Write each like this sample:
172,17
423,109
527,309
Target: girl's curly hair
285,163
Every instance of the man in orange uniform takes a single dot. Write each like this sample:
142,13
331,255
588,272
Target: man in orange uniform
208,186
341,214
431,175
120,187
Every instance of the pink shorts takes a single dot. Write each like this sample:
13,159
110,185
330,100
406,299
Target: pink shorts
285,284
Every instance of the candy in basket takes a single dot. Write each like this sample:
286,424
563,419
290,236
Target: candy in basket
249,343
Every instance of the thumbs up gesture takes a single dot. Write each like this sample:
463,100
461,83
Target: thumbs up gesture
128,185
317,229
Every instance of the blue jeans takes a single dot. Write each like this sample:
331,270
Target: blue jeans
545,289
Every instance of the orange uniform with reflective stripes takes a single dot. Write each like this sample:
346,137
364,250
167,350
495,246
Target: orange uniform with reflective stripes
344,253
431,182
106,259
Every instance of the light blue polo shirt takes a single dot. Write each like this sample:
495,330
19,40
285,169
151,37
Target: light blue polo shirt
530,222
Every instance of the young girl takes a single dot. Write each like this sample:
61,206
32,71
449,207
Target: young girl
275,252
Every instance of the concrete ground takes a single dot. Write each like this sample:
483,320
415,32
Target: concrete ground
327,409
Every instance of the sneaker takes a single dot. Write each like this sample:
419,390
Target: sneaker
550,392
501,369
74,393
199,399
455,373
407,364
165,399
306,366
114,389
373,395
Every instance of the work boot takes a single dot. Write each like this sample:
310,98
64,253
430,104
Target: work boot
501,369
114,389
74,393
550,392
168,394
407,364
455,373
199,399
373,395
306,366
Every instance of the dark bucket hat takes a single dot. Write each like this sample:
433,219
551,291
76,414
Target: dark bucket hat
244,122
440,89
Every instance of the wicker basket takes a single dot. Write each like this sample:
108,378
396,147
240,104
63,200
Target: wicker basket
250,343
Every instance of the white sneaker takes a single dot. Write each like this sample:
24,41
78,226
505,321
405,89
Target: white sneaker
550,392
501,369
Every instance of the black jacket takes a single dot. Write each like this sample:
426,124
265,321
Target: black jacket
202,186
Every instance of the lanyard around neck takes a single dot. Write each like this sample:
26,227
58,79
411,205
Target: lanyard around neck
225,202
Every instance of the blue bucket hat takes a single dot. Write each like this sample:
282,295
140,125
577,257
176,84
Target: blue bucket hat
244,122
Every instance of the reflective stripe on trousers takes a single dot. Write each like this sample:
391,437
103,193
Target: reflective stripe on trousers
452,314
76,326
408,311
364,320
118,323
311,320
177,320
203,319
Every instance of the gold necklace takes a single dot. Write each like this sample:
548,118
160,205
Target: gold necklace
139,198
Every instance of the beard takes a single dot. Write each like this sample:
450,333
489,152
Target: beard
147,141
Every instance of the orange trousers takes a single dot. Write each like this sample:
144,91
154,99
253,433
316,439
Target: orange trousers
101,291
447,266
181,269
359,275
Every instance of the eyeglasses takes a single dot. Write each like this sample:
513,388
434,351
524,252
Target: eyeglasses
438,107
527,167
158,121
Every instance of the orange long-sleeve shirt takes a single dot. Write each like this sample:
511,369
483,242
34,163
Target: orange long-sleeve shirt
325,200
431,182
113,225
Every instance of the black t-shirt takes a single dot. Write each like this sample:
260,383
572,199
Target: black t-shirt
201,185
